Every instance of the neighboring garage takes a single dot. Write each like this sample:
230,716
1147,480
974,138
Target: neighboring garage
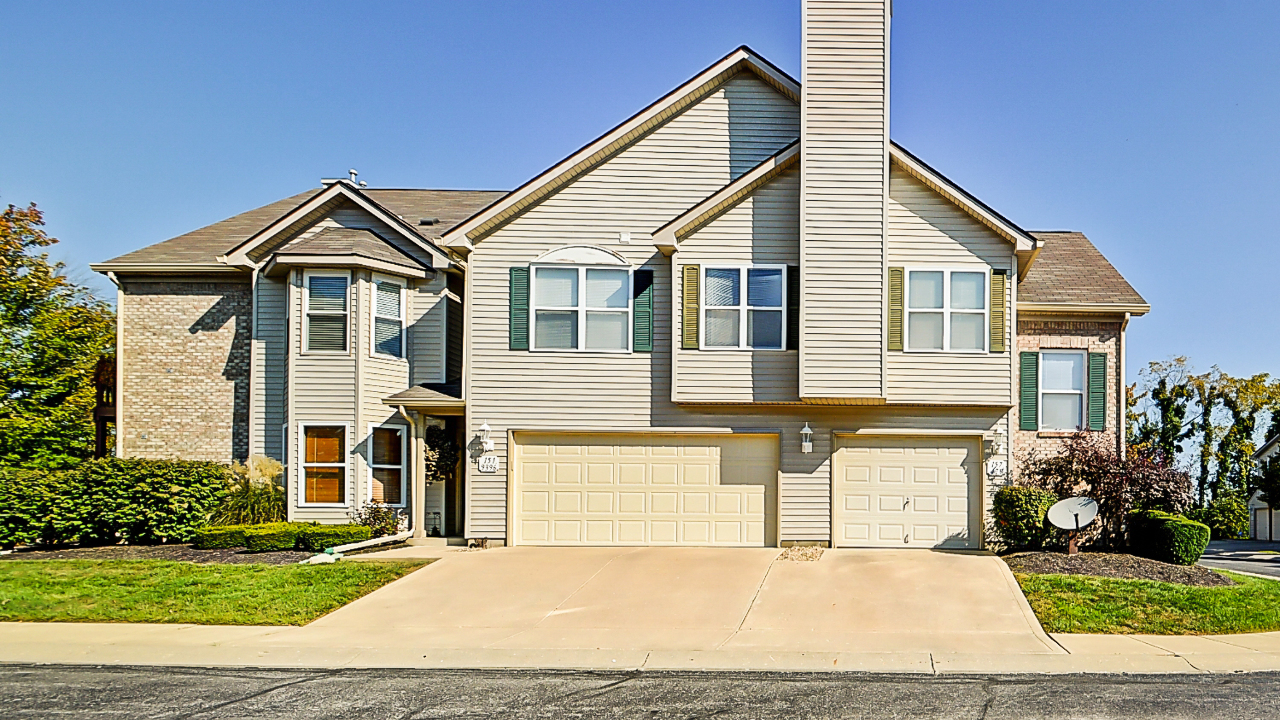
644,489
893,491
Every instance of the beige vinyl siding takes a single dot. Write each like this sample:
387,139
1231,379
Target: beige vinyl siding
638,190
270,366
927,230
380,376
763,228
427,311
844,153
324,391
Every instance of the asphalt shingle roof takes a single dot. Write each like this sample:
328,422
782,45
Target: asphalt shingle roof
1069,269
350,241
207,243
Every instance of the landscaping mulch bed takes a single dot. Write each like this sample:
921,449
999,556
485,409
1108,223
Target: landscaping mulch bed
233,556
1114,565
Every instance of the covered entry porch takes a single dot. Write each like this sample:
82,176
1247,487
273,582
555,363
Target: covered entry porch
435,415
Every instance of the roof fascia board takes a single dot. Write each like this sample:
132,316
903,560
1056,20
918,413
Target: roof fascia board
466,233
1257,455
1022,240
240,255
164,268
1093,308
670,235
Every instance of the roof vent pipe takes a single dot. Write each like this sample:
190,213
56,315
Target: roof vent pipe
352,172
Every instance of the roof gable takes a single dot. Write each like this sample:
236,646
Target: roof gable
606,146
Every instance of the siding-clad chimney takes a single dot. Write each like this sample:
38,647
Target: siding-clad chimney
844,146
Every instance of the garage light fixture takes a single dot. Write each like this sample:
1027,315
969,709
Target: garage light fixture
806,439
486,442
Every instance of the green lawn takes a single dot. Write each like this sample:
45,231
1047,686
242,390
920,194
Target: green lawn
160,591
1084,604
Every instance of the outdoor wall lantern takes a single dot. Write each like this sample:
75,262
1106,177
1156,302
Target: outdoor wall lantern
998,441
486,442
806,439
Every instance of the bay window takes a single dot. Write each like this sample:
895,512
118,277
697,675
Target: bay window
324,465
946,311
388,318
325,309
744,307
386,464
581,308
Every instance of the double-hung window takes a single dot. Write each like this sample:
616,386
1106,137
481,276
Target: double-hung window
744,307
388,318
386,464
946,310
324,464
326,313
581,308
1062,396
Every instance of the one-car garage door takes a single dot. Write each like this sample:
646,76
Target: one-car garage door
908,491
641,489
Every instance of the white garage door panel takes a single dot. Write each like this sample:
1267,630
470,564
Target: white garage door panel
907,492
645,490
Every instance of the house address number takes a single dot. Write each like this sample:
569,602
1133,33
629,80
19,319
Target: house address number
488,463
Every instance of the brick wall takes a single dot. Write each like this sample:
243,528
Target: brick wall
1036,334
185,368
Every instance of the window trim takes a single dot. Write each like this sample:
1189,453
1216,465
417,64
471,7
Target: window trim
374,317
307,313
404,463
1083,393
303,464
581,308
946,310
742,307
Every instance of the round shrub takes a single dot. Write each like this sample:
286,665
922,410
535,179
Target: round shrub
1019,514
1167,538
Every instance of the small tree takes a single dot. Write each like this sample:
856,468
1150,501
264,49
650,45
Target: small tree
1089,465
52,333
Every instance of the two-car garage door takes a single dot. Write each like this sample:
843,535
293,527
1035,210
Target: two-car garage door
645,489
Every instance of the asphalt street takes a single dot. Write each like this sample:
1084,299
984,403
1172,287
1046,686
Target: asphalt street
47,691
1261,558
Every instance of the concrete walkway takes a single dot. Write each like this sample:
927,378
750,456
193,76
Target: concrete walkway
664,608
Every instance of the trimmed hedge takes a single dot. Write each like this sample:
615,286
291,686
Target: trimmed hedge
1167,538
1019,514
107,501
218,537
319,537
271,536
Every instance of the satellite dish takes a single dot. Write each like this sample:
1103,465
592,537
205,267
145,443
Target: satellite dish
1073,513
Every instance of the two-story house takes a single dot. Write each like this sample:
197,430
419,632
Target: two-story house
742,317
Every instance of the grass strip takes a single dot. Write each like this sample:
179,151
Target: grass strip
1084,604
162,591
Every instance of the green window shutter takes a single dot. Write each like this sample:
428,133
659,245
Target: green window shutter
518,300
1028,396
689,308
999,282
897,291
642,311
793,307
1097,401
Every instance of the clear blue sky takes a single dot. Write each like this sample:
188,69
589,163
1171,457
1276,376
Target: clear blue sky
1149,125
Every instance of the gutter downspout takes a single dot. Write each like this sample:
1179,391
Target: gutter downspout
119,449
1121,430
418,511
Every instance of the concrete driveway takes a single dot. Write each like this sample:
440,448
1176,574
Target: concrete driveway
697,599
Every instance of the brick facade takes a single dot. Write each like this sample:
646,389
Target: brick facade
185,369
1035,334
